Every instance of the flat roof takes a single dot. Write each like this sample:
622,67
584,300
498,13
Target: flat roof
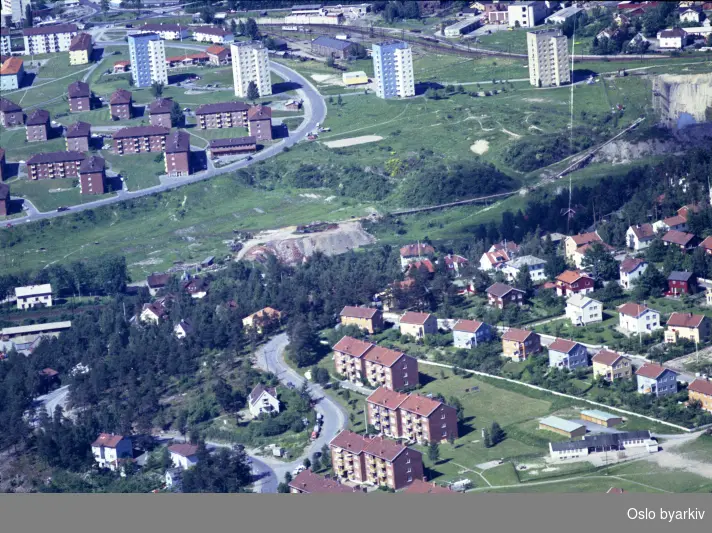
560,423
33,290
36,328
463,24
601,415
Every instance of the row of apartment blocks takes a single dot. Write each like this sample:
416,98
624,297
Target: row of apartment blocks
257,119
70,164
49,39
411,417
376,461
360,361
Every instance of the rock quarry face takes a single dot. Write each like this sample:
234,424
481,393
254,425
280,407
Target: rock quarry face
683,100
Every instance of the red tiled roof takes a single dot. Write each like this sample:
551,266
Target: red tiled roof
358,312
606,357
11,66
675,220
416,250
216,49
108,440
455,259
348,440
49,372
615,490
685,320
643,231
386,449
310,483
570,276
678,237
586,238
517,335
651,370
120,96
259,112
562,345
122,63
387,398
706,244
413,317
497,257
183,449
632,309
420,405
509,246
353,347
81,41
469,326
630,264
418,486
702,386
425,265
383,356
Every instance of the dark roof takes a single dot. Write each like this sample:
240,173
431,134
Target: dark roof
259,112
157,280
643,231
212,30
385,449
329,42
500,289
632,309
79,129
160,106
259,389
120,96
37,118
310,483
81,41
237,141
55,157
601,440
678,237
91,164
108,440
630,264
677,275
8,106
563,345
685,320
46,30
675,32
139,131
183,449
358,312
221,107
78,89
178,141
4,191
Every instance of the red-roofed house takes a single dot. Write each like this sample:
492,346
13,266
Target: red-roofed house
636,318
640,236
493,260
362,317
390,368
307,482
348,358
520,344
567,354
574,243
455,262
374,460
572,282
611,365
700,390
706,245
656,379
425,267
684,241
630,270
218,55
469,333
695,328
415,252
418,325
108,449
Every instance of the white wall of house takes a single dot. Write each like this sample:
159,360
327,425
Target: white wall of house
647,322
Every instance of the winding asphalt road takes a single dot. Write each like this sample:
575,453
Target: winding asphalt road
270,357
314,112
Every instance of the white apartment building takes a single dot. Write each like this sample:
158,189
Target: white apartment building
5,42
250,62
526,14
148,59
13,9
49,39
393,69
549,63
34,296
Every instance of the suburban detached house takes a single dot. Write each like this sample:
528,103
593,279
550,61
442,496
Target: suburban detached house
34,296
630,270
183,328
183,455
582,310
574,246
493,260
572,282
500,295
262,318
196,287
684,241
307,482
534,264
681,283
455,262
469,333
362,317
700,390
638,318
694,328
415,252
567,354
640,236
108,449
153,313
418,325
156,282
675,223
424,266
263,400
519,344
611,365
656,379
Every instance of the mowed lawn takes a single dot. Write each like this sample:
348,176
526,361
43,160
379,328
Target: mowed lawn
138,170
14,142
48,195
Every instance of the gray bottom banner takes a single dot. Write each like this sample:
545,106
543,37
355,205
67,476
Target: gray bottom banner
489,513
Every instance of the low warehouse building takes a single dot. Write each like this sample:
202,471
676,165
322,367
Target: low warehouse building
236,146
354,78
601,418
561,426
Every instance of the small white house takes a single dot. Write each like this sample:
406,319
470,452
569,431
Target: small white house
582,310
636,318
639,236
34,296
263,400
630,270
536,266
182,329
689,15
184,455
673,38
108,448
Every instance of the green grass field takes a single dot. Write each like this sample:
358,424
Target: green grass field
48,195
138,170
17,148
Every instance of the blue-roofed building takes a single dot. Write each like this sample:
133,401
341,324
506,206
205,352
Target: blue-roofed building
330,47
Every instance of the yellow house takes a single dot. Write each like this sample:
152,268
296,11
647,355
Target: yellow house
354,78
262,318
418,325
611,365
80,49
701,390
695,328
362,317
